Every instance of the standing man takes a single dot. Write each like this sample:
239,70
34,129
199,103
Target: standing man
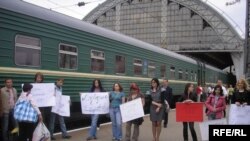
219,82
8,99
167,92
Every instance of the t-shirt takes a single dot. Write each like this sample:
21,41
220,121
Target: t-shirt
116,99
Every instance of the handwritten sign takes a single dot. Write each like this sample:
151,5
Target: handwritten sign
239,115
44,94
62,106
132,110
189,112
95,103
204,126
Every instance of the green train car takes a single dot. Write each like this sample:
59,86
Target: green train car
35,39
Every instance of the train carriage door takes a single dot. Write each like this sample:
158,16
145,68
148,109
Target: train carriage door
199,73
204,74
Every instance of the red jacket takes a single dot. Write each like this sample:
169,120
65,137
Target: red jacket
220,106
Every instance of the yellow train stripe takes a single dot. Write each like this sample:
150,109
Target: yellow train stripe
78,74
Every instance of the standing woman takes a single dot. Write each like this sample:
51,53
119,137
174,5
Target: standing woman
156,108
26,129
134,94
96,87
45,111
216,104
117,97
242,95
189,97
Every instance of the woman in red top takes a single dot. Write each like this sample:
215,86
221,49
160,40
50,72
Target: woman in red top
216,104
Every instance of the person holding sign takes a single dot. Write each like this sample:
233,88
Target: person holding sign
39,78
216,104
189,97
117,97
58,92
134,94
242,95
156,108
96,87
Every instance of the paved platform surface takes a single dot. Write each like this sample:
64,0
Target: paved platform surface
173,132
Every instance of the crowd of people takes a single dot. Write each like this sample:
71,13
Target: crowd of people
160,98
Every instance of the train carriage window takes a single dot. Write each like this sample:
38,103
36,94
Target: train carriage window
119,64
163,71
97,61
151,69
137,66
195,76
27,51
172,72
186,75
191,76
180,74
67,56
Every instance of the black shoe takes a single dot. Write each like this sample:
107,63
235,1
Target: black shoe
91,138
165,125
52,138
66,137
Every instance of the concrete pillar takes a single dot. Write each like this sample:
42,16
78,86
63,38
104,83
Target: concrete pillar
117,17
238,60
164,24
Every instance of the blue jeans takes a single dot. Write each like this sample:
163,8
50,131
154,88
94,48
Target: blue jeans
5,123
92,131
61,122
116,119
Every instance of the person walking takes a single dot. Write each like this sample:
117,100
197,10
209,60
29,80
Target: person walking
117,97
8,97
58,92
134,94
189,97
216,104
96,87
167,93
156,108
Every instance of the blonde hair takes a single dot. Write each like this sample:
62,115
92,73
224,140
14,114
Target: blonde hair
244,82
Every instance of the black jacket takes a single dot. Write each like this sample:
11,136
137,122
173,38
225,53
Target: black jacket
191,96
241,97
168,95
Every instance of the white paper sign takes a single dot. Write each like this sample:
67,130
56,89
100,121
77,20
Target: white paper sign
239,115
44,94
95,103
62,106
204,126
132,110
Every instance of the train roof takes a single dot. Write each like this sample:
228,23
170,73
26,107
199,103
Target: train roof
58,18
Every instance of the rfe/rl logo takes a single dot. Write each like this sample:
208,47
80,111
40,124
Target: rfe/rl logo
229,132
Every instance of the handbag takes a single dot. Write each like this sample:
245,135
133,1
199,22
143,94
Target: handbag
41,133
24,112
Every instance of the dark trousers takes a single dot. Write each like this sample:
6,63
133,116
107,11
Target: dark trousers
45,111
26,130
165,118
185,131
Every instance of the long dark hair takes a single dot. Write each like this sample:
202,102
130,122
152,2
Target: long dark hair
156,81
186,88
100,86
120,87
221,90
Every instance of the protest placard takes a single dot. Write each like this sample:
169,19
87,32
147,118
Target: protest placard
189,112
44,94
95,103
62,106
132,110
204,126
239,115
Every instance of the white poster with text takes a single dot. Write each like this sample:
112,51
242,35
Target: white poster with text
239,115
132,110
95,103
62,106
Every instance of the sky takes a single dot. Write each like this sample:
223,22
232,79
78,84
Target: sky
235,13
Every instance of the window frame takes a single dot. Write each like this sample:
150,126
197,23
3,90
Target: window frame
59,45
150,67
99,59
124,65
141,65
165,72
29,47
172,71
180,72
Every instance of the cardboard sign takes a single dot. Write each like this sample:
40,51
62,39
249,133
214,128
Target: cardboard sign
189,112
